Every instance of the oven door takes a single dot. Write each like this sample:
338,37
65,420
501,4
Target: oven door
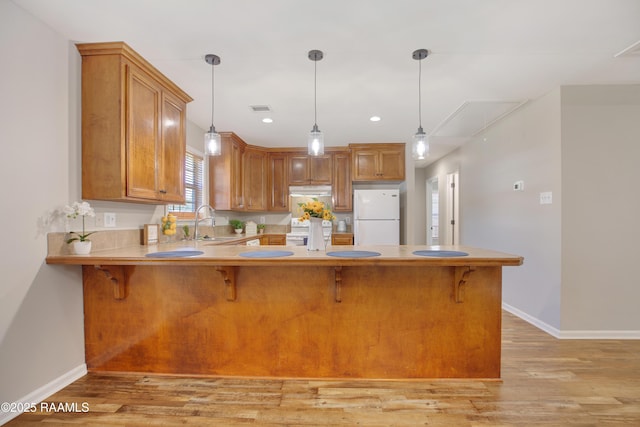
296,239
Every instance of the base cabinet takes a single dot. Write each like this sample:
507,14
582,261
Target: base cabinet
292,321
133,128
342,239
273,239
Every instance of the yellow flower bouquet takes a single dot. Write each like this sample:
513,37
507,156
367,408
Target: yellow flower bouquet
315,209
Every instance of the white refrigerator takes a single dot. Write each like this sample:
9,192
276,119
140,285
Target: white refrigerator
376,217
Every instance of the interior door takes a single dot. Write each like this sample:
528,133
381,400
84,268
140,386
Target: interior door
433,212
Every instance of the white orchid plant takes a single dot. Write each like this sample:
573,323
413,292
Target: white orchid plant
82,209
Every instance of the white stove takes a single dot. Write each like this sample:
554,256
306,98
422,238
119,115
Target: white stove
300,231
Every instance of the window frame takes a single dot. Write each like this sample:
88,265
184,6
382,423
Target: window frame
198,187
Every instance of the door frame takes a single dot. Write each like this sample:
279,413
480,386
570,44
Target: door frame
452,218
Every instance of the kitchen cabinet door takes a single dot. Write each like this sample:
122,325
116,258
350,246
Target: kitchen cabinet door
255,184
173,150
143,136
278,183
342,188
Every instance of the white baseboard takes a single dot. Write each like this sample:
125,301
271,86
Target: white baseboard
46,390
572,335
530,319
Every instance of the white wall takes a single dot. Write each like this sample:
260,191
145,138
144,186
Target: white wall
41,319
582,144
601,207
41,332
524,146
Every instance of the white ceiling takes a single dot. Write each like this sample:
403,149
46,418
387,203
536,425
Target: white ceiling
482,54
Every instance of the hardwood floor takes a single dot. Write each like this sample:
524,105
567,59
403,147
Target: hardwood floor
545,381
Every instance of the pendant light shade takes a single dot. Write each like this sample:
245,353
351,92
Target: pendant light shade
316,138
420,147
212,142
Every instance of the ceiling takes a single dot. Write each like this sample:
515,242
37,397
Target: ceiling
486,59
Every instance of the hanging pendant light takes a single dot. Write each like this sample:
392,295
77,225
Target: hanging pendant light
316,139
420,147
212,143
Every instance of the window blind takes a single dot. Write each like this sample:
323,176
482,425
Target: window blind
193,186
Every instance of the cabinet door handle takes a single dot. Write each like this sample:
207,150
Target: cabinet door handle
163,191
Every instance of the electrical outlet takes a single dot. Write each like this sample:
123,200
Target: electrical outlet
109,219
518,186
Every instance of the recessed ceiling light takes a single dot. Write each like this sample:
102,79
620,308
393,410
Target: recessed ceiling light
375,118
267,120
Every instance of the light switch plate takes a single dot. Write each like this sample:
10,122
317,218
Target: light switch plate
109,219
546,198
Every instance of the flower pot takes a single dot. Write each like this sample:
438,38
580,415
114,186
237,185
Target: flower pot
82,248
238,230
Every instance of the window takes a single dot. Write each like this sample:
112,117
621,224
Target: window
193,187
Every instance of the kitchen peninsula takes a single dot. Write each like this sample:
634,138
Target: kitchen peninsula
383,312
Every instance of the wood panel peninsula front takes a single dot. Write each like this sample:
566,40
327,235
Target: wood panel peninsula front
301,314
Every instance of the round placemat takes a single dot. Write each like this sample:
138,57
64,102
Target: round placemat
266,254
438,253
353,254
173,254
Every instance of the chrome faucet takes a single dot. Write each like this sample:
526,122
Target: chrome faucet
212,215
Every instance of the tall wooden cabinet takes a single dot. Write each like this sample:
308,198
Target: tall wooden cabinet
133,128
341,189
378,162
255,165
238,177
226,177
278,182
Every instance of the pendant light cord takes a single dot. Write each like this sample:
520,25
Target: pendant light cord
212,92
315,93
420,93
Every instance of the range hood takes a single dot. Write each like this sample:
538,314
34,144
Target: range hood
310,190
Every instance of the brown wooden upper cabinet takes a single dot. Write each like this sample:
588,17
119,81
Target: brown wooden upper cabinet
226,176
133,128
238,177
310,170
278,182
255,165
341,189
378,162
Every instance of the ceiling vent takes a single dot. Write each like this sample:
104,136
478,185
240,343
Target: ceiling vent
631,51
260,108
472,117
